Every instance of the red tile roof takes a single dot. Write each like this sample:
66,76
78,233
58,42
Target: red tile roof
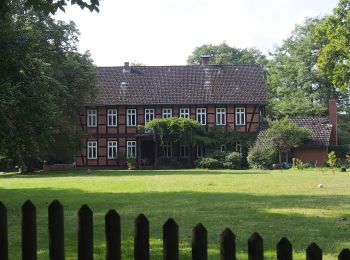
191,84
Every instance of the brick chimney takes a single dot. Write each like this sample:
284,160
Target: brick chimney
205,60
332,117
127,68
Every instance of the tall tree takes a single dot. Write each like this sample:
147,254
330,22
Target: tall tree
225,54
42,80
333,33
296,86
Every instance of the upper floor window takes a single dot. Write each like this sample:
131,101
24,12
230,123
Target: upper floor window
131,149
240,115
112,116
167,112
92,150
149,114
131,117
221,116
202,116
185,112
91,117
112,147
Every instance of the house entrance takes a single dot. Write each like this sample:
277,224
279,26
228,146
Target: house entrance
147,153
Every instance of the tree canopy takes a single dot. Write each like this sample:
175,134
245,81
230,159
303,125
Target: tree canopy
225,54
43,82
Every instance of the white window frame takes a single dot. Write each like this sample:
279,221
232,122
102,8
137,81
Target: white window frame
131,151
184,112
112,149
238,146
200,151
184,150
149,114
220,116
112,117
240,116
92,150
202,115
167,149
167,112
131,119
223,147
91,117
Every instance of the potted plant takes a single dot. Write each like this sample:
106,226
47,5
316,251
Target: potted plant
131,163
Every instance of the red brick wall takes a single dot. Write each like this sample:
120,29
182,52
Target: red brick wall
316,155
102,133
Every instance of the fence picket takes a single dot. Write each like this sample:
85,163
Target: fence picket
56,231
3,233
344,254
255,247
313,252
141,239
170,240
85,233
284,249
29,243
227,245
199,243
113,235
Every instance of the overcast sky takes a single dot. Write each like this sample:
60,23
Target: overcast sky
165,32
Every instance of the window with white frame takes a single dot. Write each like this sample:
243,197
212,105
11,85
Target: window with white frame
221,116
131,149
91,117
166,149
92,150
223,147
167,112
200,151
185,112
112,117
240,115
238,147
131,117
149,114
184,150
202,115
112,147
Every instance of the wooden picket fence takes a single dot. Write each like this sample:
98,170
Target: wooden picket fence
141,238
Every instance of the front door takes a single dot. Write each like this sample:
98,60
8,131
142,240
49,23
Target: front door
147,152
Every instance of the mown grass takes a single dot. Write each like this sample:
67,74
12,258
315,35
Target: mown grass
274,203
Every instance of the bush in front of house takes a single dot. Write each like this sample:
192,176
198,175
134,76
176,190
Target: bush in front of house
208,162
233,161
262,155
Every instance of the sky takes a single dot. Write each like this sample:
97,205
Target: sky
165,32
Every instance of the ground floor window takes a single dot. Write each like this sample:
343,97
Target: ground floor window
200,151
131,149
166,149
238,147
92,150
184,150
112,147
223,148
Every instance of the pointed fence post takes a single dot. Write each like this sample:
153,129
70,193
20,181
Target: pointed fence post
170,240
56,231
313,252
284,249
227,245
113,235
85,234
29,243
3,233
344,254
255,247
199,243
141,239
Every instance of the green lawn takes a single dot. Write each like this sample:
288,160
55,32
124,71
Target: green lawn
274,203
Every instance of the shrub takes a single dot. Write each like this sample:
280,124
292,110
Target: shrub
233,160
262,155
332,160
343,168
208,162
166,162
218,155
298,164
